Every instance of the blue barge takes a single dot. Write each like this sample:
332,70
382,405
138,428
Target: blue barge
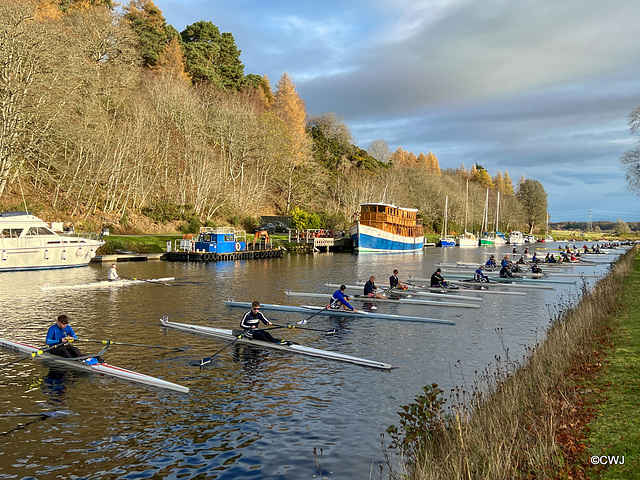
220,244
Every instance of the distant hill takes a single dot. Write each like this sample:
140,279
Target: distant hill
603,226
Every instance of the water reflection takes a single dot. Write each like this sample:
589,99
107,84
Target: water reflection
250,413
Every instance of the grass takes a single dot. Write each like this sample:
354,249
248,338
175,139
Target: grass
519,420
616,429
136,243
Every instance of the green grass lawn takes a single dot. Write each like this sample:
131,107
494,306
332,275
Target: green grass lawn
616,429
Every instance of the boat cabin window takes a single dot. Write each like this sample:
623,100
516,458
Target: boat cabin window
11,232
39,231
229,238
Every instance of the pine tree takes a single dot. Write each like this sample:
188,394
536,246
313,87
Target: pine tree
508,185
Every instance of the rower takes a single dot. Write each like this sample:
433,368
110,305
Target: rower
113,275
250,323
339,299
491,262
61,333
437,280
371,289
394,282
478,276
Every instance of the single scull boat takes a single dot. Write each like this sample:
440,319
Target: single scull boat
440,295
402,300
99,367
107,284
232,336
307,309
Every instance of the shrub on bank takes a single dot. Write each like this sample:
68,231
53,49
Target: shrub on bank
507,425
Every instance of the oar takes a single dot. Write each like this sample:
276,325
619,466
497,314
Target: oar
148,281
57,413
204,361
306,320
31,355
289,325
111,342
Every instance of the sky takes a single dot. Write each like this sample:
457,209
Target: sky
540,88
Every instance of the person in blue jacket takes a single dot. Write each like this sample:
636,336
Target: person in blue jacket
61,334
479,276
340,300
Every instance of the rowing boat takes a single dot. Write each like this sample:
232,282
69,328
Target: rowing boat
493,283
307,309
100,367
410,291
107,284
475,287
231,336
402,300
512,279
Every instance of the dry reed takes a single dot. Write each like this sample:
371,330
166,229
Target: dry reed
505,425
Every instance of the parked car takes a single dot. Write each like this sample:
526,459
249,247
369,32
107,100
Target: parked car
272,227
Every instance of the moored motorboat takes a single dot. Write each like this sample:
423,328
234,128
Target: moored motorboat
236,336
28,243
99,366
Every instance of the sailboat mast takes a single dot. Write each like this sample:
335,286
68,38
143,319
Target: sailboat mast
466,208
497,211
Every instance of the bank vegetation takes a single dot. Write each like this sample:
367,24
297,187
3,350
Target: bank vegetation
517,420
112,117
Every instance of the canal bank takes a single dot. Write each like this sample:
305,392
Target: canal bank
530,417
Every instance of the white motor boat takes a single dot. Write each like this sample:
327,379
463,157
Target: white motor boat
516,238
28,243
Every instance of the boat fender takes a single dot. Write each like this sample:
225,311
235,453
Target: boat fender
79,252
238,246
92,254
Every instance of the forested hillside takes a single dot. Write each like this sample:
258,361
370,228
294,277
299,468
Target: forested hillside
112,115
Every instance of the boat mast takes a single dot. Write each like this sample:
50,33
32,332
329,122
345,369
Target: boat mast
497,210
485,217
466,208
446,208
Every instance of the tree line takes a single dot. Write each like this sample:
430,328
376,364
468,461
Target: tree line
109,113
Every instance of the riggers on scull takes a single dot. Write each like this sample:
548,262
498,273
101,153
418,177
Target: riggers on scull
107,284
235,336
402,300
307,309
409,292
496,278
99,367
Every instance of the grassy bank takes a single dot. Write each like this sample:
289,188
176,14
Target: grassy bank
615,429
515,421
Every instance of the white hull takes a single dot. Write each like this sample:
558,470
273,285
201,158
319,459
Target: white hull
108,284
102,368
228,335
516,238
468,240
28,243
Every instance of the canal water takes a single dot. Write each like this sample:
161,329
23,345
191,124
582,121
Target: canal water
251,414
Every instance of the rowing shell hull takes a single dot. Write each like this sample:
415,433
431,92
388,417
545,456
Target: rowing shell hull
405,301
108,284
299,349
101,368
310,310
